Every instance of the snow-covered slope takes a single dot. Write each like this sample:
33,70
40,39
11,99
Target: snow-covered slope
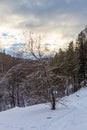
71,116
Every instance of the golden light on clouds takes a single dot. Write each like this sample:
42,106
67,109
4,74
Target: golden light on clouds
60,21
55,41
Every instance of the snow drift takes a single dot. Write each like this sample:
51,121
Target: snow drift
70,116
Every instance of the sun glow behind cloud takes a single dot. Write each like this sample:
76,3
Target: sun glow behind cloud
55,41
59,20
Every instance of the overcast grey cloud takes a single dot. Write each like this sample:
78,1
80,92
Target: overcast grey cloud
66,17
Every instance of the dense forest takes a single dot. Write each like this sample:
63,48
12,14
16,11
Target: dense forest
27,82
7,61
73,61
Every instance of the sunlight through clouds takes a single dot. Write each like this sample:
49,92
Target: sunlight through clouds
60,20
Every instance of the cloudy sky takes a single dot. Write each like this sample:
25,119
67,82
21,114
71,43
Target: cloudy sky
59,20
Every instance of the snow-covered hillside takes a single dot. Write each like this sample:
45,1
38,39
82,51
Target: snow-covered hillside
71,116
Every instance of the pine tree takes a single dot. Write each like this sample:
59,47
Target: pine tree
70,61
82,58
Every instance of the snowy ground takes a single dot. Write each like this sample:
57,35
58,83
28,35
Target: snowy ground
72,116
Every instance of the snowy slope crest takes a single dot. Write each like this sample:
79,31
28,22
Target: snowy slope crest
71,116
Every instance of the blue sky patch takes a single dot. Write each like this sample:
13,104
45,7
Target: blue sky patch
4,34
18,44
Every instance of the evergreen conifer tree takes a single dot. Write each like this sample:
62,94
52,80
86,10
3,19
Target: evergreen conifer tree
82,58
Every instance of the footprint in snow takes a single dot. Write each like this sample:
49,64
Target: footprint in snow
49,117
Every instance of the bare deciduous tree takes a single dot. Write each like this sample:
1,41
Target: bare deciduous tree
35,48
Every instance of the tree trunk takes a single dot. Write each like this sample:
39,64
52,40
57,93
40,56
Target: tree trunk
53,102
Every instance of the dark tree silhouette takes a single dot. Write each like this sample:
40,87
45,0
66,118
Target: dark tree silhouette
82,58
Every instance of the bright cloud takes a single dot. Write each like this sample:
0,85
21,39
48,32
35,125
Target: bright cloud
62,18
